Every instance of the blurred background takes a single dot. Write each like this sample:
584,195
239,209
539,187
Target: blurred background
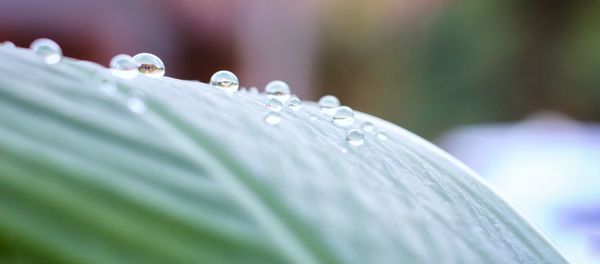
512,88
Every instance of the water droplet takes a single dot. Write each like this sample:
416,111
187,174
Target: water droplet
343,117
273,118
329,104
150,65
7,44
253,90
355,137
344,150
225,80
381,135
136,105
274,104
47,49
313,117
278,90
367,126
295,104
123,66
243,90
107,88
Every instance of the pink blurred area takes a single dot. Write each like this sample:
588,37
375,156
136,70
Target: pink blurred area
258,40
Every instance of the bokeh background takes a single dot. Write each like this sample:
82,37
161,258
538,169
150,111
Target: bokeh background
512,88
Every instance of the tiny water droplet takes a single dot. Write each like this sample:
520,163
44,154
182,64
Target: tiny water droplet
278,90
367,126
355,137
243,90
7,44
295,104
344,150
381,135
329,104
107,88
47,49
123,66
253,90
136,105
313,117
149,65
273,118
273,104
225,80
343,117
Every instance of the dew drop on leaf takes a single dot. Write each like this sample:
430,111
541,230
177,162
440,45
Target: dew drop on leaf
149,65
295,104
278,90
136,105
329,104
273,118
123,66
47,49
343,117
273,104
7,45
225,80
355,137
107,88
367,126
381,135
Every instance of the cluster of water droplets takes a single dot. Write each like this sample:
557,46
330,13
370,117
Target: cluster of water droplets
127,67
278,95
343,116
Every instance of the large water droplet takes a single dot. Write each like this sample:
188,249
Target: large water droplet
136,105
367,126
7,44
274,104
329,104
355,137
295,104
381,135
273,118
149,65
123,66
225,80
278,90
47,49
343,117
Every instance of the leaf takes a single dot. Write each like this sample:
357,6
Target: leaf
200,178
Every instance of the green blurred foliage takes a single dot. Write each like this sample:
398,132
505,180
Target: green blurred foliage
467,62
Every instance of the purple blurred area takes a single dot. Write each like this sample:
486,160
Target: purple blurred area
548,168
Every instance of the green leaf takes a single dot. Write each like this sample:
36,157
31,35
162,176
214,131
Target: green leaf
200,178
